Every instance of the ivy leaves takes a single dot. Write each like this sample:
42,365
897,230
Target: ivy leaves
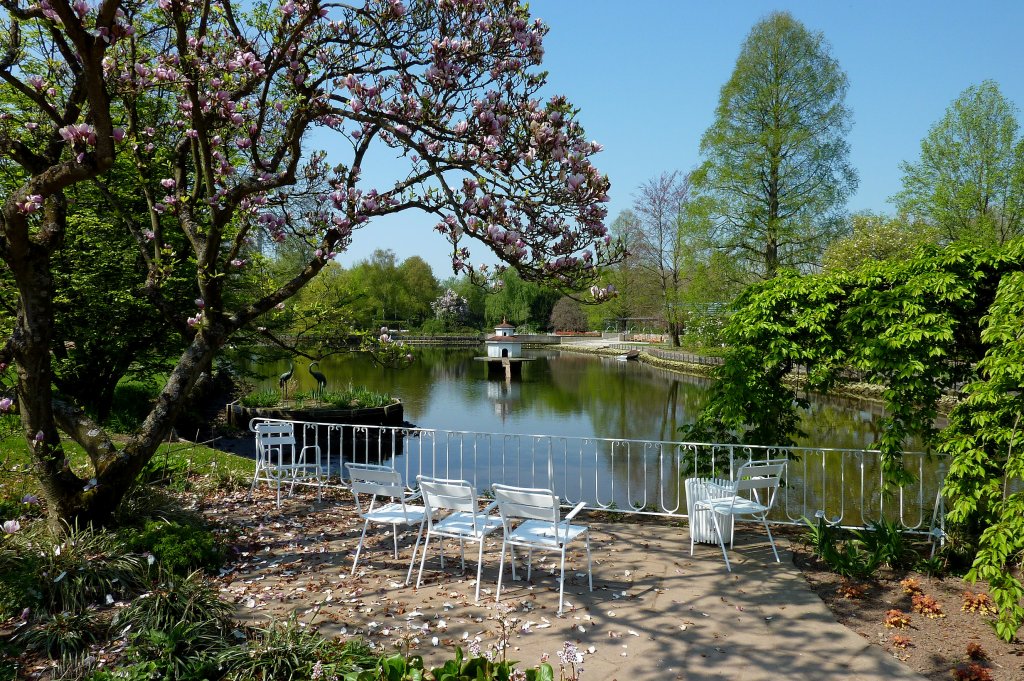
920,328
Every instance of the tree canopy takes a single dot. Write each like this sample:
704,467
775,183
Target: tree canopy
212,106
969,179
776,156
920,328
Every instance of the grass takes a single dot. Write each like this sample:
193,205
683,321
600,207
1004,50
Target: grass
17,480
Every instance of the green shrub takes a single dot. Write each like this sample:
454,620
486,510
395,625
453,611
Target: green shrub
279,651
131,404
261,398
186,651
174,599
61,635
180,548
68,571
887,544
357,397
177,629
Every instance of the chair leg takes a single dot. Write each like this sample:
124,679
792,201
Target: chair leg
415,547
360,547
394,529
771,540
479,568
692,521
501,571
462,551
590,571
423,560
721,540
561,582
255,479
529,563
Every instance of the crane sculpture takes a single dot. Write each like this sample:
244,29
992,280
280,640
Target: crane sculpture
282,380
321,380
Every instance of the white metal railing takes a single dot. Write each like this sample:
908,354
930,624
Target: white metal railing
636,476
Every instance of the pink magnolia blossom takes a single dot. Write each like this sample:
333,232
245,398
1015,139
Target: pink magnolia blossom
31,204
6,403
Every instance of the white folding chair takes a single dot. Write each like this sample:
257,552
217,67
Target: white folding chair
540,529
277,459
465,522
743,498
386,483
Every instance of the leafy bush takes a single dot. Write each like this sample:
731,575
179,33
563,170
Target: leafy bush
68,571
62,634
177,629
131,404
179,548
886,543
279,651
357,397
185,651
190,599
261,398
859,553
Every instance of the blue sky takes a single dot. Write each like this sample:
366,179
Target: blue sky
647,74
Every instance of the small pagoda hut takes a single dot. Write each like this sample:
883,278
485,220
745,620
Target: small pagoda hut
504,352
504,342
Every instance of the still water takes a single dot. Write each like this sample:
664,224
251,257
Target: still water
569,396
559,394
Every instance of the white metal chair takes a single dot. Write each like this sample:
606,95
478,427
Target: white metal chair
385,483
466,522
278,459
743,498
540,529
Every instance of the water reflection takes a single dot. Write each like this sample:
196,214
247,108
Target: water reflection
560,394
593,408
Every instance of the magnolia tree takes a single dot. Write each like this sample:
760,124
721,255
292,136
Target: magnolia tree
450,308
212,108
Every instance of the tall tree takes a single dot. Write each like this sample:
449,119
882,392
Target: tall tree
214,106
776,156
969,180
638,291
420,289
661,247
874,237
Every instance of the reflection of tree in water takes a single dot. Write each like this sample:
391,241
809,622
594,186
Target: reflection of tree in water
623,400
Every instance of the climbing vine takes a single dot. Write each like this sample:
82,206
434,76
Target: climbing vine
944,325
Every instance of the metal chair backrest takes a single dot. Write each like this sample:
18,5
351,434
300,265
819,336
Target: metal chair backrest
377,481
754,476
450,495
526,503
275,437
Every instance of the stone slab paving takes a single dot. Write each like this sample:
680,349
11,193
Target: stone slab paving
655,612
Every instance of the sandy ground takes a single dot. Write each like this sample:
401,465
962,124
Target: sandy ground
654,613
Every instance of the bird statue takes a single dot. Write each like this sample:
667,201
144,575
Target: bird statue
321,380
282,380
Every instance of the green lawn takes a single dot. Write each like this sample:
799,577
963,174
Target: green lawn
16,477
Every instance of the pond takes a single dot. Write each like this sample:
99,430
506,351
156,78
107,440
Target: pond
588,408
559,394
